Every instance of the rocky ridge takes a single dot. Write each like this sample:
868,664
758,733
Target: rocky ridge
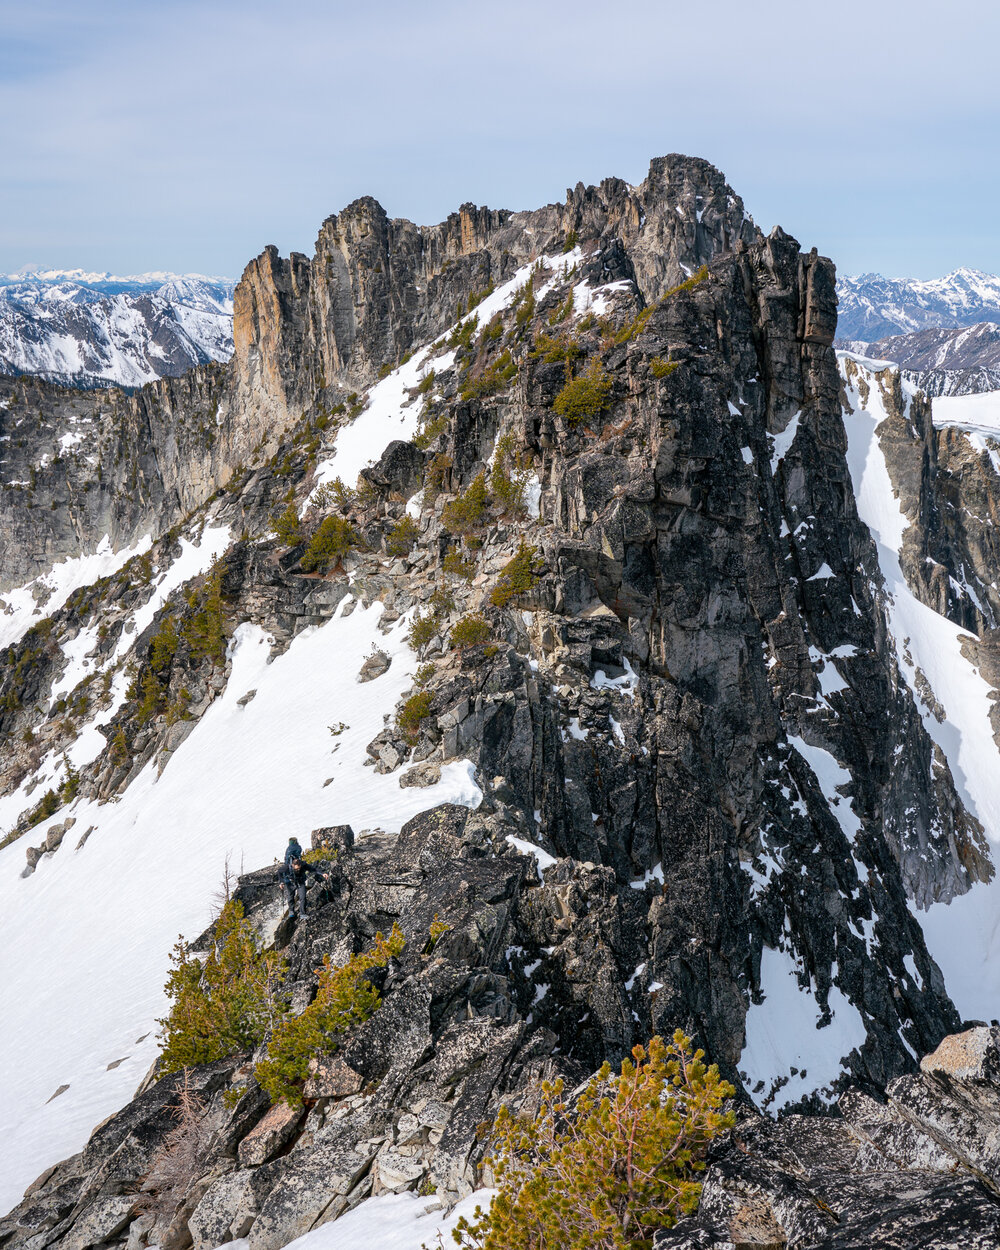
942,361
689,699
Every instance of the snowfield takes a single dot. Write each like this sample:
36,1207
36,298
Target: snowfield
94,925
390,1222
963,936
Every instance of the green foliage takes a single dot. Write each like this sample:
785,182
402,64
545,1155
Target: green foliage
467,512
345,998
493,379
442,601
477,297
697,278
287,527
432,424
402,536
562,311
457,567
571,239
636,326
226,1001
463,333
205,629
518,576
524,303
385,371
661,368
164,645
587,396
46,806
606,1173
631,329
319,855
493,330
334,539
119,748
70,787
341,495
422,630
424,674
470,631
507,481
552,350
426,382
411,714
152,697
436,476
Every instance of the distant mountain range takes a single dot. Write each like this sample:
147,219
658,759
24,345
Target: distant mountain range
97,329
872,307
943,333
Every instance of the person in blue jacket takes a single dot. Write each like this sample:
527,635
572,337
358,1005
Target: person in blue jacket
293,876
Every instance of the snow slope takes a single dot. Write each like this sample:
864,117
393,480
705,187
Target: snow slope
963,936
100,920
783,1033
390,1222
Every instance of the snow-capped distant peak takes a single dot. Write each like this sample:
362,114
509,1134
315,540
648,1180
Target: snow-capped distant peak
98,329
874,307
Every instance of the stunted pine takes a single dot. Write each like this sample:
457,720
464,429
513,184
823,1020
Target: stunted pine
606,1173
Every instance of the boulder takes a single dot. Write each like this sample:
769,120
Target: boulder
228,1207
331,1078
399,470
104,1218
266,1138
376,664
973,1055
312,1190
338,838
395,1172
422,775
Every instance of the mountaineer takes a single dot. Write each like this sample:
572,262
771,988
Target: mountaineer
293,876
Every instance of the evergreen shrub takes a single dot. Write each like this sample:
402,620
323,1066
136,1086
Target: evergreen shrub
411,715
470,631
517,577
345,998
225,1002
606,1173
402,536
587,396
334,539
467,512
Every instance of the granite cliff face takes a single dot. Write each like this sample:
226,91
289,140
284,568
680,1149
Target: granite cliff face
709,788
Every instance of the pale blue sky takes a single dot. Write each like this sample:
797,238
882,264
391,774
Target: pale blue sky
187,134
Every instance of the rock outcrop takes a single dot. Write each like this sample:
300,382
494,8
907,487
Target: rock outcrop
648,617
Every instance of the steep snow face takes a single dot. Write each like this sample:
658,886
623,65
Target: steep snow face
99,330
390,413
963,936
100,919
26,605
787,1033
872,306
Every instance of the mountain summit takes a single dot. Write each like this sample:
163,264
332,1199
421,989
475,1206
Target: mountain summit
629,661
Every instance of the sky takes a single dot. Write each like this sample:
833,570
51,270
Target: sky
186,135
